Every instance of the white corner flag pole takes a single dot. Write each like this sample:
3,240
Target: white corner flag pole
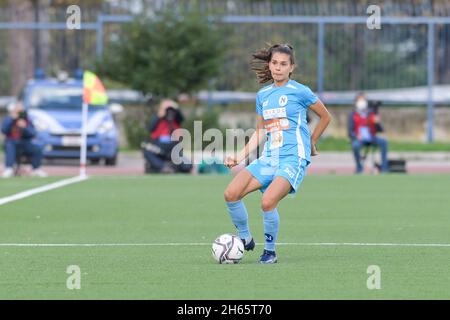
84,118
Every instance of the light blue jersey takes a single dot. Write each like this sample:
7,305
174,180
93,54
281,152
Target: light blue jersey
284,110
286,154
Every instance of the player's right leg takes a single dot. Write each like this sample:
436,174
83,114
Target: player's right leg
242,184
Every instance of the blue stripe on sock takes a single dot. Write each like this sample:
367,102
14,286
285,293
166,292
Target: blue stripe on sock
271,225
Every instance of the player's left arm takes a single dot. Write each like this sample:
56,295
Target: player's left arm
325,119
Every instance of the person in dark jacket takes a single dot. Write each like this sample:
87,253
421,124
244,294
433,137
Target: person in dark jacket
19,132
363,128
157,150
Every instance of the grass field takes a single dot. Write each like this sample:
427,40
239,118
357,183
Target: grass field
343,144
170,221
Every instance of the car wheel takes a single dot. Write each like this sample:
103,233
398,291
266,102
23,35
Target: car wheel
111,161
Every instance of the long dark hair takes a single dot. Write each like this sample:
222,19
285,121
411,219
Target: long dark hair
261,59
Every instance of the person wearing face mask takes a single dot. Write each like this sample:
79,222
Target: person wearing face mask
363,127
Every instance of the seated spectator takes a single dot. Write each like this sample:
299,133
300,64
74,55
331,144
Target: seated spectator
19,132
363,128
157,151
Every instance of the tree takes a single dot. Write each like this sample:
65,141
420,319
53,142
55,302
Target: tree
165,55
20,46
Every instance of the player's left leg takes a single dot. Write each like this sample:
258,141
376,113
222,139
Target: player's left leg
287,180
277,190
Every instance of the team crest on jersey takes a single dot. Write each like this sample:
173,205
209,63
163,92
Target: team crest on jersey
283,100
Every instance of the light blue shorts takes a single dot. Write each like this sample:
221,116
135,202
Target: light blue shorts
265,169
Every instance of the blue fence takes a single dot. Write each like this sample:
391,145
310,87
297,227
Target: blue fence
321,38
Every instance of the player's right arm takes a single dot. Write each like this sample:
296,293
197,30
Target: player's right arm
255,140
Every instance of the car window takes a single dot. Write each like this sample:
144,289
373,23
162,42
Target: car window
53,98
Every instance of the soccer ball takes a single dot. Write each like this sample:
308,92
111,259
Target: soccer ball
228,249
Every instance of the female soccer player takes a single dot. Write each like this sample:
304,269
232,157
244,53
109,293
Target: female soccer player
281,119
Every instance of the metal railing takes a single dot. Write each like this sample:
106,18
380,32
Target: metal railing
322,25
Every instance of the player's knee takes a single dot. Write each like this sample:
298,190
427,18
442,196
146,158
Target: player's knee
268,204
231,195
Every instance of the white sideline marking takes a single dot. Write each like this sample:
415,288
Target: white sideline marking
207,244
44,188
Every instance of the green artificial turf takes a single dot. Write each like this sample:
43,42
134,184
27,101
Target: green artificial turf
171,221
